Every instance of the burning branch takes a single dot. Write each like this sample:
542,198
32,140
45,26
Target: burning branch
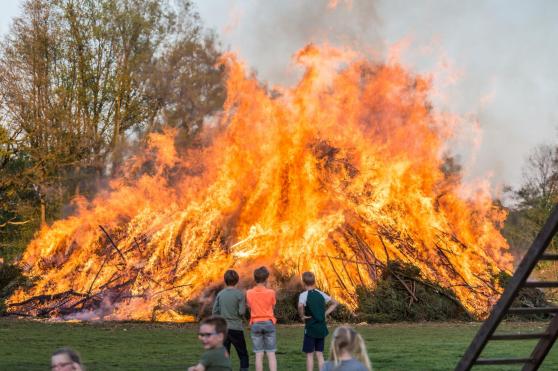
113,244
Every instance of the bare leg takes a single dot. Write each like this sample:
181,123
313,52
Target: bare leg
310,361
272,361
320,357
259,361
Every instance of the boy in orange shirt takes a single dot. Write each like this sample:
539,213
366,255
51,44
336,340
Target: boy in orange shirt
261,301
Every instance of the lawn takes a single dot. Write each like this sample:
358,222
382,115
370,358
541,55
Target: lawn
26,345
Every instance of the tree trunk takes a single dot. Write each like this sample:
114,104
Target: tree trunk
43,212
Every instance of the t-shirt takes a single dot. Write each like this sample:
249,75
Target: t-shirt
230,304
348,365
261,301
304,296
216,359
314,302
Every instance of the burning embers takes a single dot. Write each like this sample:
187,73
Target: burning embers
338,175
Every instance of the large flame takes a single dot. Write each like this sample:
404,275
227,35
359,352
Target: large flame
337,175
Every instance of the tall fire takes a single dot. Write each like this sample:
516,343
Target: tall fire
338,175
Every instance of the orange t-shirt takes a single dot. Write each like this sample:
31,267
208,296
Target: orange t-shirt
261,301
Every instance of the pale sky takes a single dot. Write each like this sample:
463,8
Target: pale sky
504,51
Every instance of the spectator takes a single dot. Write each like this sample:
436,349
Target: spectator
230,303
313,307
348,352
212,333
65,359
261,301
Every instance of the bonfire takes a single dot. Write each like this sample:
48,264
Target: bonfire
339,175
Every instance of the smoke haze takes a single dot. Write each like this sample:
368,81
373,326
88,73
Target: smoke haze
493,60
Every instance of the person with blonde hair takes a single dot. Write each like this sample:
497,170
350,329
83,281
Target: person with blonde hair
347,352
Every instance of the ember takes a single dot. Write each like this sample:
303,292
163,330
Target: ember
338,175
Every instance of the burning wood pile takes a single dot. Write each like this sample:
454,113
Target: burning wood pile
340,175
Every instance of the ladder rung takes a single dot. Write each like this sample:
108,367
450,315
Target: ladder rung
540,284
536,335
549,257
501,361
533,310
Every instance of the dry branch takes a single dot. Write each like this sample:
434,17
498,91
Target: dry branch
113,244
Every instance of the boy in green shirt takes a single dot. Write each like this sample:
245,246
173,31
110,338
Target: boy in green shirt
212,334
312,309
230,303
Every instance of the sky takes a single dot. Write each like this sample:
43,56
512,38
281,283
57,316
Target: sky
493,62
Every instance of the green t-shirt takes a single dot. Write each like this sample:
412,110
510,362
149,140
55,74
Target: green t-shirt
230,304
315,307
216,360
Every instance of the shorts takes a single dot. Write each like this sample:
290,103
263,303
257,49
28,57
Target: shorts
263,337
311,345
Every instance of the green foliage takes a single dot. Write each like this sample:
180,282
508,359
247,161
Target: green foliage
11,278
526,298
77,79
391,301
534,199
286,306
343,314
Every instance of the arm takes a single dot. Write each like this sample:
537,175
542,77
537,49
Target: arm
242,306
301,312
198,367
216,307
301,305
332,305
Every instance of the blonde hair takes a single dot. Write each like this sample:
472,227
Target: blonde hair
345,339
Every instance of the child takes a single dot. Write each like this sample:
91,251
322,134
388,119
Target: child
230,303
312,310
212,334
348,352
261,301
65,359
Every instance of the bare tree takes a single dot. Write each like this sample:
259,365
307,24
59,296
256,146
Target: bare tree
535,198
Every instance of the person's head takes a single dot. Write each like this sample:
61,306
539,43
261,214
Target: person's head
308,279
65,359
213,331
261,275
347,340
231,277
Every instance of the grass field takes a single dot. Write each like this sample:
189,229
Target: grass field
26,345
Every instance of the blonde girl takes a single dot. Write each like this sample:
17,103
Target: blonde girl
347,352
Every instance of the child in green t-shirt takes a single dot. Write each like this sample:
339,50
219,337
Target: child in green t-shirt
230,303
312,310
212,334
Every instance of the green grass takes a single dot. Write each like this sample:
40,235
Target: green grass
26,345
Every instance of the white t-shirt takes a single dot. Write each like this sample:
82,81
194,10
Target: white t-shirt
304,296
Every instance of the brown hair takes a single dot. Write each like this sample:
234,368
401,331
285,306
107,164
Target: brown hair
217,321
308,278
261,274
72,354
231,277
345,339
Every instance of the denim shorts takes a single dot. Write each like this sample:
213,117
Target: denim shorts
263,337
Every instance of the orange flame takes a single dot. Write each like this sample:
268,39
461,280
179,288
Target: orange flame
337,175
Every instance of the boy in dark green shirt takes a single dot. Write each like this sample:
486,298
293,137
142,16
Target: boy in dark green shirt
312,309
230,303
212,334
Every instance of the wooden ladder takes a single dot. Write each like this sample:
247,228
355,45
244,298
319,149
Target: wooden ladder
486,332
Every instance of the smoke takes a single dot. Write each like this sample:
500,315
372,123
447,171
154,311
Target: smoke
267,34
504,48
